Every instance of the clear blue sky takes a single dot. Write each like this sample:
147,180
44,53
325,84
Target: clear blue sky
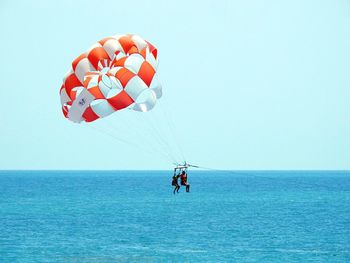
249,84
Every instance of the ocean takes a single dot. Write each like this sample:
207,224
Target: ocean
133,216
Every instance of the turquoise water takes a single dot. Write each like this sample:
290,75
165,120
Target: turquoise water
134,217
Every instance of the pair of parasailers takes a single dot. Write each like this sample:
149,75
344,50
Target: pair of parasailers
183,181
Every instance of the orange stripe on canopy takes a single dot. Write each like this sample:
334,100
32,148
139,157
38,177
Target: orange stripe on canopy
120,101
89,115
95,91
146,73
71,82
97,54
126,43
77,60
124,75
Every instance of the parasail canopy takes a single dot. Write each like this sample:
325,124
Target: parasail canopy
117,72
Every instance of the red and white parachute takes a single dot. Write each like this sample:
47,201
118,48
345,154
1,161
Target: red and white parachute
117,72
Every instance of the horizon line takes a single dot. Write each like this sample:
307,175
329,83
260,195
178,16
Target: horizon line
195,169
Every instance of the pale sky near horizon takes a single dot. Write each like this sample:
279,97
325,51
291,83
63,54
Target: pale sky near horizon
249,84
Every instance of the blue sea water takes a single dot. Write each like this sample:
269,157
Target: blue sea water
94,216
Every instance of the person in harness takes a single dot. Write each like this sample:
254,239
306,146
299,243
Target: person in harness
183,179
175,182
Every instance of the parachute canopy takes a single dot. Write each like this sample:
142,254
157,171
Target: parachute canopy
117,72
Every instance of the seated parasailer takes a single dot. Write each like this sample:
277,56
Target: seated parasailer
183,179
